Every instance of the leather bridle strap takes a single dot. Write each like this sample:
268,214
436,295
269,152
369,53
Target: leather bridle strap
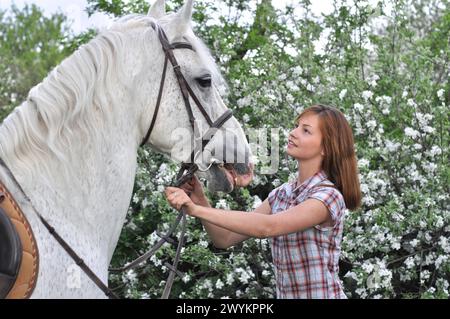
167,48
186,90
214,127
158,103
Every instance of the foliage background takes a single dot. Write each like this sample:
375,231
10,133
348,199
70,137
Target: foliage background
386,66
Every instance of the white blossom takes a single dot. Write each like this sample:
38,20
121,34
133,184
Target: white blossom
311,87
396,245
230,279
367,267
423,119
431,290
222,204
409,262
367,95
411,103
362,292
411,132
130,277
219,284
441,259
371,124
414,242
359,107
428,129
290,85
429,167
373,80
424,275
363,162
444,243
435,150
391,146
343,94
256,202
297,71
186,278
203,243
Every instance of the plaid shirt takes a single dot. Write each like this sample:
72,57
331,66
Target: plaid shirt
307,262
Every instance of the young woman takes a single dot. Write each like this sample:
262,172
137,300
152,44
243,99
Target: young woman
304,218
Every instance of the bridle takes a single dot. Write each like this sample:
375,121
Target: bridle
186,92
185,173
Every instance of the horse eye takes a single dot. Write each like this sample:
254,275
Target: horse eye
205,81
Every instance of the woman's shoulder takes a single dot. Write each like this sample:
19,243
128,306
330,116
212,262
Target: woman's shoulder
331,197
328,191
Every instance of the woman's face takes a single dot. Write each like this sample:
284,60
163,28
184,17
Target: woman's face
305,140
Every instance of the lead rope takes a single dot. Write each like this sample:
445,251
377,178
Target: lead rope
173,269
181,179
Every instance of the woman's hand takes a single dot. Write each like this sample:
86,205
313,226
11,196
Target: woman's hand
178,199
194,190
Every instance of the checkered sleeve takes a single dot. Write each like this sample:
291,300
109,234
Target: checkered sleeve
272,197
332,199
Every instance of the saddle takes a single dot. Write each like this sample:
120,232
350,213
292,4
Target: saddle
19,258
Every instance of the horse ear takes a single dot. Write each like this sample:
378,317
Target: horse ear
184,16
158,9
186,11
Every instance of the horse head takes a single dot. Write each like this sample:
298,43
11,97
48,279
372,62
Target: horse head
225,160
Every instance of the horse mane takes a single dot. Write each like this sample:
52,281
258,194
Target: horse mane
73,99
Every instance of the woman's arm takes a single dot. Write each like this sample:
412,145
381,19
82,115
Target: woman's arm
221,237
303,216
224,238
310,213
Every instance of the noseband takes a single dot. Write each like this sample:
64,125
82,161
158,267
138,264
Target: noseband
186,92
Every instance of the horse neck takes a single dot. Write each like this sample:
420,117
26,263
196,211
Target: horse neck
88,196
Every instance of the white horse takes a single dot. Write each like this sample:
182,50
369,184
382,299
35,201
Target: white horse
72,145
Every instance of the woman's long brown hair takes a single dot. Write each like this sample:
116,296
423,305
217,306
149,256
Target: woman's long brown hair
339,162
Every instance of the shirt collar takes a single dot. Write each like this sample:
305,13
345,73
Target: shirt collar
317,178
